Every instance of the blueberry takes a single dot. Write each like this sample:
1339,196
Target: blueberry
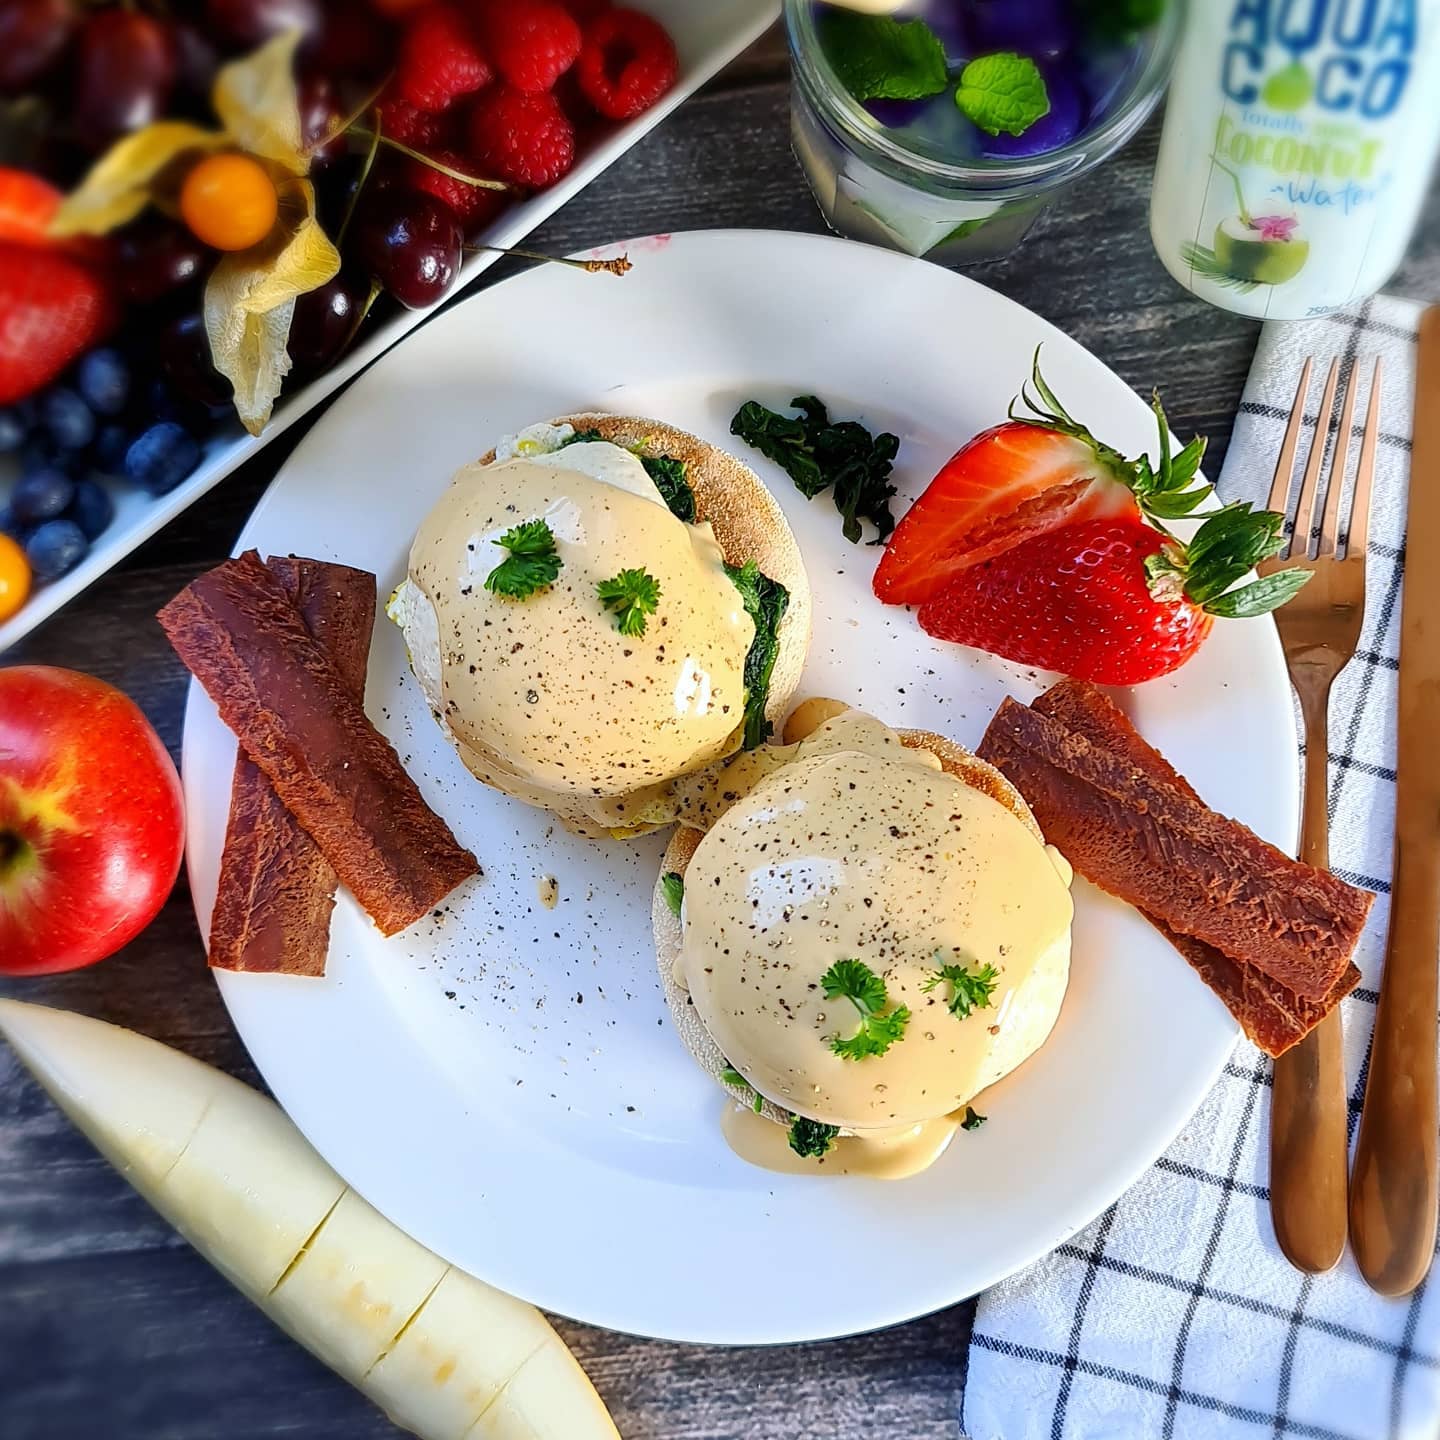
103,379
56,548
108,452
162,457
69,421
92,509
14,528
14,427
41,495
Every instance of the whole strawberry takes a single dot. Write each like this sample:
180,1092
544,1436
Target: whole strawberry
52,309
532,42
521,136
439,60
1113,601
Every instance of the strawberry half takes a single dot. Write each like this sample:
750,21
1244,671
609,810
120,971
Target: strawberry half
1114,601
52,309
1040,470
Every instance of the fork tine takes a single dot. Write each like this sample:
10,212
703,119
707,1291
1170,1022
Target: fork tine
1285,464
1339,463
1307,513
1359,536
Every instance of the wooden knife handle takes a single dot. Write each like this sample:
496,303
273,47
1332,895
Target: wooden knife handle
1394,1185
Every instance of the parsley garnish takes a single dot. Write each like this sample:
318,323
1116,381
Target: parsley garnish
855,981
765,601
731,1076
531,565
818,454
632,595
810,1139
673,885
969,989
973,1119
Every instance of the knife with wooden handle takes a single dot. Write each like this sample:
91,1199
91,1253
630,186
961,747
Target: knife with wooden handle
1394,1183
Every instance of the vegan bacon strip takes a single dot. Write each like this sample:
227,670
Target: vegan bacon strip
276,686
1272,1016
276,891
1143,838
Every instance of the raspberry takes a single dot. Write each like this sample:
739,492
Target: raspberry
439,60
628,62
532,42
473,205
424,129
521,136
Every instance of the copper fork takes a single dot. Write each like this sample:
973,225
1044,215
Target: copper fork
1319,632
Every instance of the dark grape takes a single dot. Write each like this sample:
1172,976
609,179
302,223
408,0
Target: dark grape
247,24
184,352
103,380
91,509
324,321
68,420
156,256
319,114
33,36
41,495
162,457
124,74
56,548
410,242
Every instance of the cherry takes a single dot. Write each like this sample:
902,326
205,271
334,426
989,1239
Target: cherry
319,115
125,71
155,256
184,352
196,60
248,24
33,36
410,242
324,321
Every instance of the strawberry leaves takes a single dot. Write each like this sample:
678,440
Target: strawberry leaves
1164,492
1222,552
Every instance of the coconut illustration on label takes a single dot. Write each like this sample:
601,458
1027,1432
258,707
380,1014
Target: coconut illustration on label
1298,144
1250,249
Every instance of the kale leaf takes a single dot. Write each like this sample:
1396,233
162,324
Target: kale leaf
674,488
810,1139
820,455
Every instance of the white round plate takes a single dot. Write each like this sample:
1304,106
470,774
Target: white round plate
502,1080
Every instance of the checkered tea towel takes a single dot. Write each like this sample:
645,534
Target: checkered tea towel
1175,1316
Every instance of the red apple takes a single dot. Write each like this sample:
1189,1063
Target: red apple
91,820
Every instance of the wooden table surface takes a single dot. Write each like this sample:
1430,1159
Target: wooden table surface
110,1326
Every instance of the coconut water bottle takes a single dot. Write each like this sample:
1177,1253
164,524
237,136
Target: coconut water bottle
1298,146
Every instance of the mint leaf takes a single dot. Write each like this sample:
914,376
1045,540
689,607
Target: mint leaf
1004,91
878,58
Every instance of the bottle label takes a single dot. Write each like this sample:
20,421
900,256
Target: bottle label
1313,91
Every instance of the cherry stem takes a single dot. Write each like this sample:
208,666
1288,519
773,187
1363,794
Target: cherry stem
620,265
365,167
376,290
430,160
351,120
